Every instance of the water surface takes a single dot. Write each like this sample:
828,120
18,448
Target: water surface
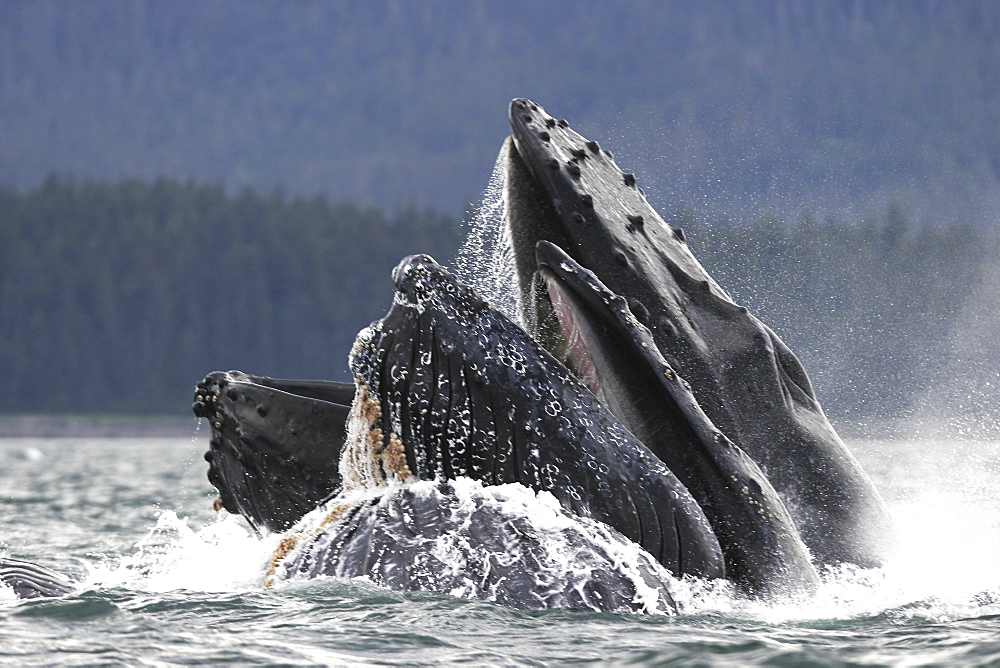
169,582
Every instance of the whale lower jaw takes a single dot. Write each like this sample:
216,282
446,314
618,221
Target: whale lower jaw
274,444
28,580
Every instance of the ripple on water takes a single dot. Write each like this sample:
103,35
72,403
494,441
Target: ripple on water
73,609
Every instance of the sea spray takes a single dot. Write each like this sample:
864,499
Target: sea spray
946,566
222,556
946,563
486,259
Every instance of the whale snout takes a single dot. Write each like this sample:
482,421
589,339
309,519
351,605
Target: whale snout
207,393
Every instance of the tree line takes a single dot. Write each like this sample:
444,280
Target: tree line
117,296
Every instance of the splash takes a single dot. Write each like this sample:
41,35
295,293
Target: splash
962,395
941,494
946,564
486,259
7,594
223,556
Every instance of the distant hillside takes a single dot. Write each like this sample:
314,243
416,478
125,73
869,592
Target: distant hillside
837,107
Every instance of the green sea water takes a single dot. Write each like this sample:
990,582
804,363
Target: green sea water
168,582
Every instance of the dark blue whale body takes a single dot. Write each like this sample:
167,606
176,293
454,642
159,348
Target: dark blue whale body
448,388
469,394
498,543
641,428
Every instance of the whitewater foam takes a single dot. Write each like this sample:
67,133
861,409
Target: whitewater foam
223,556
946,566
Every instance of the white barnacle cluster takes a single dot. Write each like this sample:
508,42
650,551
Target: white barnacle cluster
362,351
510,356
453,302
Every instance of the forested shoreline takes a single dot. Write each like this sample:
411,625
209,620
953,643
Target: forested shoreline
119,296
116,297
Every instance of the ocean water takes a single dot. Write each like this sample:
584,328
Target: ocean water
169,582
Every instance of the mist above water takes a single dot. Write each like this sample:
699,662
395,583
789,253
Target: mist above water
486,259
961,397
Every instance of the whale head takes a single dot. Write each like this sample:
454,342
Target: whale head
452,388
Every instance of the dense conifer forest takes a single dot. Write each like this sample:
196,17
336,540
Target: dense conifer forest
120,296
117,296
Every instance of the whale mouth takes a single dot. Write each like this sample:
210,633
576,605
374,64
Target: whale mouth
453,388
600,335
579,357
564,188
450,384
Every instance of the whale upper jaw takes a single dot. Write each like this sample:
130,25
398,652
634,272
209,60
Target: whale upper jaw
620,362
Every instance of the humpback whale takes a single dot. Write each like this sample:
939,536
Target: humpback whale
274,443
564,188
641,428
763,551
450,391
448,387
